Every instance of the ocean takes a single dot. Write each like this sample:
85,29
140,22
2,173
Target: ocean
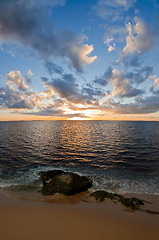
119,156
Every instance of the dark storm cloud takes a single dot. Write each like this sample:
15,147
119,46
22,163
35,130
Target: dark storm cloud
28,23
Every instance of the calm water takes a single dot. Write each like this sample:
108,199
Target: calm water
118,156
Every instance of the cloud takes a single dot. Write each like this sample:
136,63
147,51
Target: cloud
50,110
113,36
131,60
11,98
48,92
66,87
81,53
142,106
28,77
23,104
64,97
110,44
104,79
92,93
157,82
15,78
145,74
69,77
67,90
30,24
17,94
140,38
140,75
123,85
53,68
123,82
112,10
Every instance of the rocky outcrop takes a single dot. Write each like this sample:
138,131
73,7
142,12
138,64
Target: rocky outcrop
67,183
133,203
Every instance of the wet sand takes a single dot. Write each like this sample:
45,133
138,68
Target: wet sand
75,218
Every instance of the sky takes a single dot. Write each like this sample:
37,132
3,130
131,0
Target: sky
76,60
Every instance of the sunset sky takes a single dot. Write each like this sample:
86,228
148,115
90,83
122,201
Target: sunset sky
71,59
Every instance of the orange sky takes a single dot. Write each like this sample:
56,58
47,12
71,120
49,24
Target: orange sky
8,116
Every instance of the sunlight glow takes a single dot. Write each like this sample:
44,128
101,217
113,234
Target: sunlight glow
77,118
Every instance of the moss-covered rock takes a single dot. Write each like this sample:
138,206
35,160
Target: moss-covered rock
58,181
132,203
101,195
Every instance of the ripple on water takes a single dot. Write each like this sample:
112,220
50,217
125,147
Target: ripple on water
116,150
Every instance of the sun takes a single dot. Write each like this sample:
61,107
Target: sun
77,118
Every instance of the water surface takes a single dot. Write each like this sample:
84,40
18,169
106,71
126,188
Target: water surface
119,156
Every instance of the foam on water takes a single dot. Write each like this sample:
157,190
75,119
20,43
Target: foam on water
109,181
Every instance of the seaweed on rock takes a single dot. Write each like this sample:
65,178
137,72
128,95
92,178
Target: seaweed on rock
133,203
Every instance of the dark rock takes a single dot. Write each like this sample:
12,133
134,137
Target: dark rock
47,176
133,203
101,195
58,181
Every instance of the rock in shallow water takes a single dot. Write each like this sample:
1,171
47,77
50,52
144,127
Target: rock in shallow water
58,181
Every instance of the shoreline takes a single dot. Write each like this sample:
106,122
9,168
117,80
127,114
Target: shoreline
76,217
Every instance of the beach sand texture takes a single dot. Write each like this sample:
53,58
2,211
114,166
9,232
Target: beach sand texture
63,219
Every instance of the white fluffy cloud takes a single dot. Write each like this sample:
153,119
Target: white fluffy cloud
16,94
15,78
123,86
140,38
84,53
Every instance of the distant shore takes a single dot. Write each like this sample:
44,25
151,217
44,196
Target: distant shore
76,217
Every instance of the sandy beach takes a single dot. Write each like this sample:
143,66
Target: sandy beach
75,217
